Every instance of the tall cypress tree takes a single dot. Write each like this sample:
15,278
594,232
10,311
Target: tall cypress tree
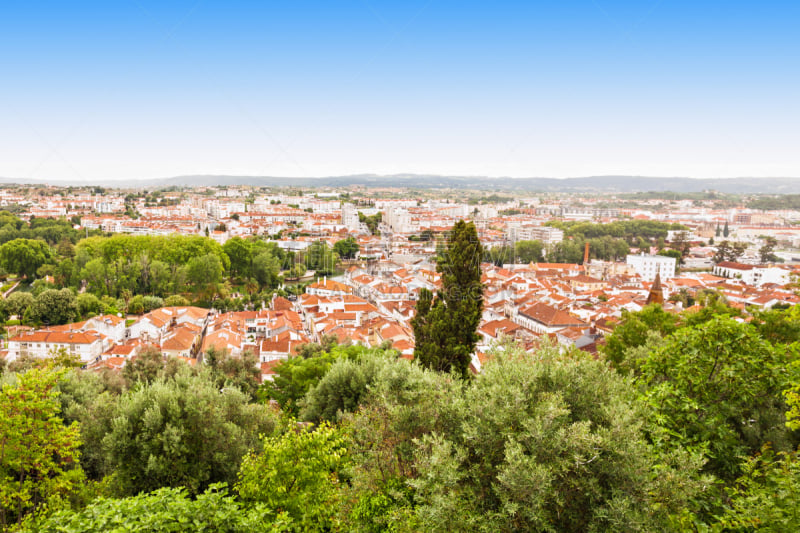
445,327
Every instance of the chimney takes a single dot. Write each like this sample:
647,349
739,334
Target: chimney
586,253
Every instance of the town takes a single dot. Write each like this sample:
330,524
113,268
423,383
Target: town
350,264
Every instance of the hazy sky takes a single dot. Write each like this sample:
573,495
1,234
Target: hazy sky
136,88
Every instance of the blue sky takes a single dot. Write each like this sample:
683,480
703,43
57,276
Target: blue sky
139,89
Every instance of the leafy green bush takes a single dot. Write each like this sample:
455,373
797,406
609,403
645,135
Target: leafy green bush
166,509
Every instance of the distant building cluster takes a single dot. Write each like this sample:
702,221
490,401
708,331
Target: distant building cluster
373,302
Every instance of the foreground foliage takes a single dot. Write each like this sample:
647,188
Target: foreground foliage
38,453
557,445
296,472
182,432
167,509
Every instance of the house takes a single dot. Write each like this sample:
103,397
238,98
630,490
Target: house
153,325
181,341
224,340
752,274
328,288
543,318
584,283
42,344
111,326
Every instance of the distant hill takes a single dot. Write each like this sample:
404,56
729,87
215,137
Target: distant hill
428,181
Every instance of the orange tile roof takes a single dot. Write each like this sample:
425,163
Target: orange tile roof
57,337
550,316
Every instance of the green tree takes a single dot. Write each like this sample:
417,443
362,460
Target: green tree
672,253
17,303
719,385
90,400
88,305
182,432
145,367
38,453
345,385
320,258
445,328
98,277
204,272
152,302
633,331
294,377
528,251
557,445
729,251
176,300
24,256
766,252
297,472
241,256
167,509
372,222
241,372
346,248
55,307
567,251
764,498
297,270
499,255
266,269
136,305
726,231
681,244
777,325
404,402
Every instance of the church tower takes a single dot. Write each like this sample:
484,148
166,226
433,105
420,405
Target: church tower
656,295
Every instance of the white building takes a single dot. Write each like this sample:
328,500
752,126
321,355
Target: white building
42,344
111,326
752,274
398,220
647,266
546,234
350,217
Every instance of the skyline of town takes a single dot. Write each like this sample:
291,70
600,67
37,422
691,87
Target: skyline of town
570,288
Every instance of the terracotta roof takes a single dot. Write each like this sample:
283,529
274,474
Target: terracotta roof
735,266
330,285
496,327
57,337
582,278
182,339
112,363
282,304
550,316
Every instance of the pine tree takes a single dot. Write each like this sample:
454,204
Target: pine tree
445,325
725,230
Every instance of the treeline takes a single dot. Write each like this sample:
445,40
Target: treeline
567,251
680,425
630,230
775,203
51,230
117,269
